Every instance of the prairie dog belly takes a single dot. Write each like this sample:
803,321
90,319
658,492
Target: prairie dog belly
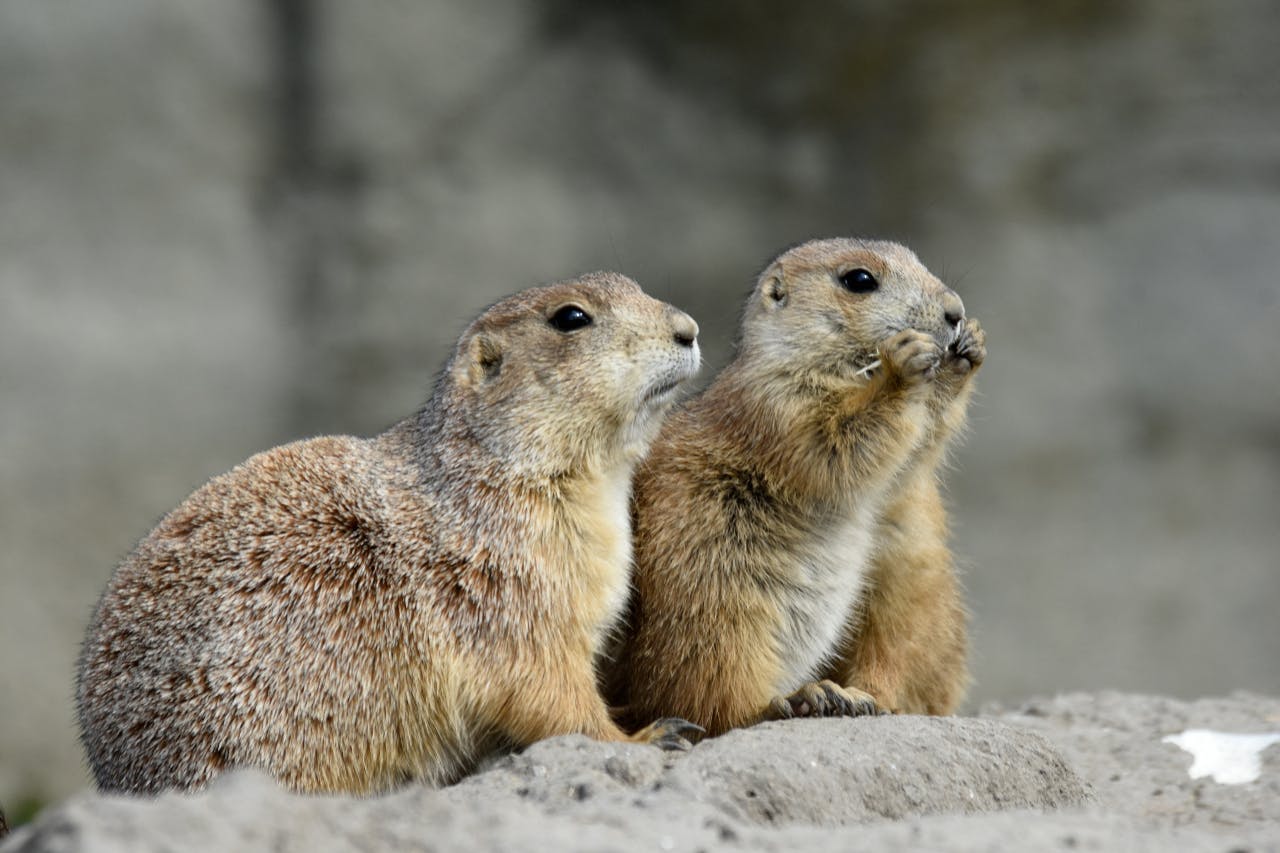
824,582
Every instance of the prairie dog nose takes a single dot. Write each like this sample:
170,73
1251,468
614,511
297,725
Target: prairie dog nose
952,308
685,328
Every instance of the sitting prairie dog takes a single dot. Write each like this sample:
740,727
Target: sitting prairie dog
351,614
791,553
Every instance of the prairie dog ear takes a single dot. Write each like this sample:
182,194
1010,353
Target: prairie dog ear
773,287
480,361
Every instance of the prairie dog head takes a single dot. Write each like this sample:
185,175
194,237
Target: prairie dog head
824,306
574,375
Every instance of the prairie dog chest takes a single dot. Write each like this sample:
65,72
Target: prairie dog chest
599,543
825,580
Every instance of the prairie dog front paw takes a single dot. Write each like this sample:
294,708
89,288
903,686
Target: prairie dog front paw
969,349
911,356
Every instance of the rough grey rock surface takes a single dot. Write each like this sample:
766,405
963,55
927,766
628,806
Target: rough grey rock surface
1083,771
1114,740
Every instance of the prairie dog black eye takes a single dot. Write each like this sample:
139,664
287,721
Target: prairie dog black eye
569,318
858,281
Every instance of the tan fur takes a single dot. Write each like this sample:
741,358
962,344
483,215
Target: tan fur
349,614
789,532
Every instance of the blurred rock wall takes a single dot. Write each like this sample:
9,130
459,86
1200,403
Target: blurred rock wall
223,226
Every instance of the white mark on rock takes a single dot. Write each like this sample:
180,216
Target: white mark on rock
1231,759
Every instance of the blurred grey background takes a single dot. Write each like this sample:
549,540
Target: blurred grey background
228,225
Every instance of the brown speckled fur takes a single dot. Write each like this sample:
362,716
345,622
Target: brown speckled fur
788,523
349,614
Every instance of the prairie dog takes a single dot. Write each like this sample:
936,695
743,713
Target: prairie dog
791,553
350,614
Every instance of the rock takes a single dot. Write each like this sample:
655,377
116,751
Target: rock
833,772
1079,771
574,793
1115,742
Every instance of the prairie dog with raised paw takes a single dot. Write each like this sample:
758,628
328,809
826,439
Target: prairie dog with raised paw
791,554
350,614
